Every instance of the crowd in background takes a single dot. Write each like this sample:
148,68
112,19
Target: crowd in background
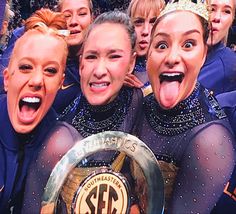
24,8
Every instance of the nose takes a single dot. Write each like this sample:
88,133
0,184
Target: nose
216,16
146,29
173,57
36,80
100,69
73,22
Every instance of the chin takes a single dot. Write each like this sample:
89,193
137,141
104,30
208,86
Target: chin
142,53
98,102
24,129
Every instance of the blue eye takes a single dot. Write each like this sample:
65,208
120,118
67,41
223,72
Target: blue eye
189,44
161,45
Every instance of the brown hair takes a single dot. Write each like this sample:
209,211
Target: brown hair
145,7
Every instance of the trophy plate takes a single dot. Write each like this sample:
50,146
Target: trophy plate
131,181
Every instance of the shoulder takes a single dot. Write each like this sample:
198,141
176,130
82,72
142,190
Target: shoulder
135,97
214,131
18,32
137,94
61,138
227,99
65,130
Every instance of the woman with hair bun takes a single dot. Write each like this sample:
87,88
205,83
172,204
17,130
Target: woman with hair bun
78,16
34,75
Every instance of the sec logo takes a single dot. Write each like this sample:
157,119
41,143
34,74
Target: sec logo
102,193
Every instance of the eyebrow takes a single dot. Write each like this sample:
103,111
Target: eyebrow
109,51
227,6
136,18
70,9
186,33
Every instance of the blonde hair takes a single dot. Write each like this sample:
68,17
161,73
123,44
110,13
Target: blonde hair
144,7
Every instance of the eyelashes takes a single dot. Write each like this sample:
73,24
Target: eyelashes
162,45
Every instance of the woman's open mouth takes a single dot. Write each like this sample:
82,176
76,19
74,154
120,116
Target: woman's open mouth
28,107
170,77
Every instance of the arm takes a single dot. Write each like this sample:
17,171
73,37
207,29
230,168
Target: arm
204,171
58,142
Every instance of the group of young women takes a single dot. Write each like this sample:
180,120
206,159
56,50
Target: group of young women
164,47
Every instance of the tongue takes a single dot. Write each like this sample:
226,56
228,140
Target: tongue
27,112
169,92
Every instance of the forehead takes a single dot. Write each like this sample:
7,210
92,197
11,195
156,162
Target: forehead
35,44
75,4
223,2
179,21
145,14
108,34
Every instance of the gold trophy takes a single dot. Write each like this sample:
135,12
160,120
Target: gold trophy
128,181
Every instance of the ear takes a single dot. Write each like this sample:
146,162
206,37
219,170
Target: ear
62,80
6,77
204,55
80,65
132,63
4,27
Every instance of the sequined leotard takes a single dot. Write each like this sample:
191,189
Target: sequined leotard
193,144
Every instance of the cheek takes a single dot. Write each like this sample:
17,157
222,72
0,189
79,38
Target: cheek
116,72
138,32
21,81
228,23
86,71
153,64
52,86
193,65
85,23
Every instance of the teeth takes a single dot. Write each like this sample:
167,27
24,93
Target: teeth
171,74
31,99
99,85
169,77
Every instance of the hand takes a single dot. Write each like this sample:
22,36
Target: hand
132,81
134,209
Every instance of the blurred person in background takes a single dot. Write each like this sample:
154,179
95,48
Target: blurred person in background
218,73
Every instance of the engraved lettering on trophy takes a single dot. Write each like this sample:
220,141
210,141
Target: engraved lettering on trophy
128,144
116,141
